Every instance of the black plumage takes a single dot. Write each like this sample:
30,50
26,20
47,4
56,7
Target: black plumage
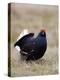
33,48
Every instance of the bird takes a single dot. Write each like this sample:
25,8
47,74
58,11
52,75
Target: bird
32,47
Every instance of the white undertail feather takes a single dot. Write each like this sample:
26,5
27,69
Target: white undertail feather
23,33
17,48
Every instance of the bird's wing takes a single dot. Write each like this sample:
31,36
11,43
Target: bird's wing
28,47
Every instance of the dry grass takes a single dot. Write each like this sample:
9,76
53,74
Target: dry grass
35,17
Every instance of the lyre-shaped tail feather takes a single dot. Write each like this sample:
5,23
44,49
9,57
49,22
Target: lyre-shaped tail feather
23,33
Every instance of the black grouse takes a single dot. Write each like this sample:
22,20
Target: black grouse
31,47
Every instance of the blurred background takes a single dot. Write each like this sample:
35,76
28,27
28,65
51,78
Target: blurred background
34,18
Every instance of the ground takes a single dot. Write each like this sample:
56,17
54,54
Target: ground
34,18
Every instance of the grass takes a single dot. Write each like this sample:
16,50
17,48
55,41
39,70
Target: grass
34,18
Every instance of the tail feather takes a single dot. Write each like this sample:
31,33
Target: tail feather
23,33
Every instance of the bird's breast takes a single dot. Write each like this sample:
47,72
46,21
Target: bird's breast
41,43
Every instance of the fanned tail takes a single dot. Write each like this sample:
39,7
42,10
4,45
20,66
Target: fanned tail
23,33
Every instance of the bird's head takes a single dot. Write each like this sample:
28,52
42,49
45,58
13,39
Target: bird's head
43,33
